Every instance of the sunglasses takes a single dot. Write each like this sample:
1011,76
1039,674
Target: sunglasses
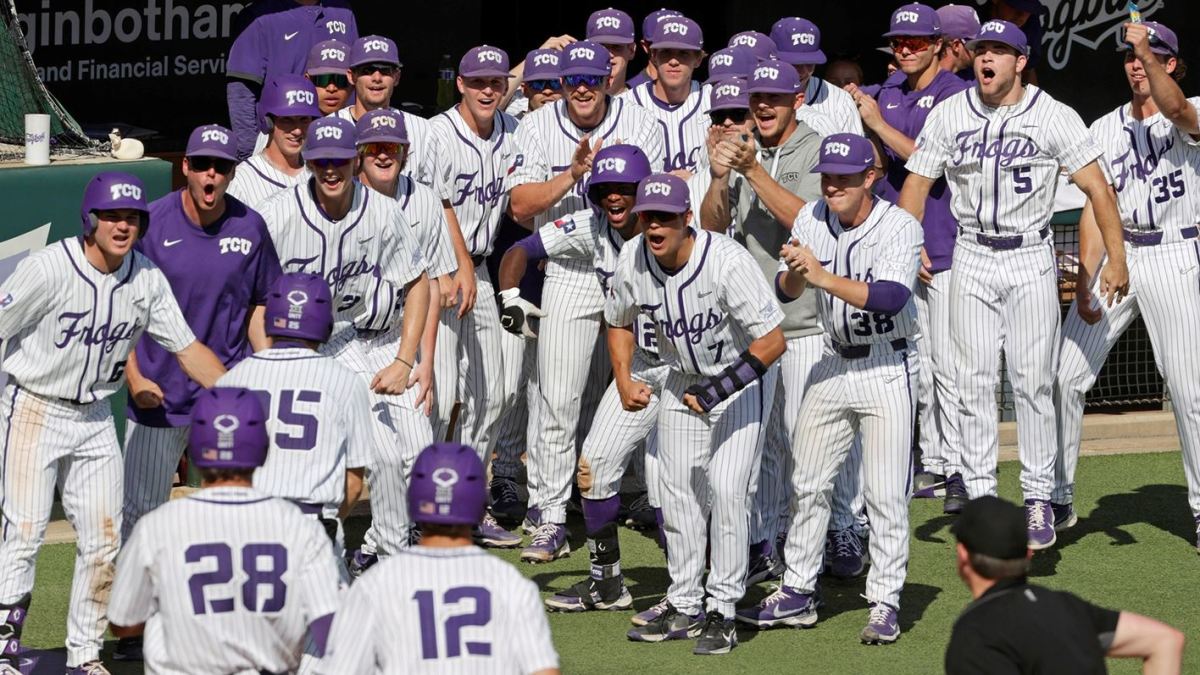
203,164
326,162
326,79
913,43
543,85
384,69
606,189
586,80
718,117
380,148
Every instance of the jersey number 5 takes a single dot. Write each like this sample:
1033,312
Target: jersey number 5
253,556
453,625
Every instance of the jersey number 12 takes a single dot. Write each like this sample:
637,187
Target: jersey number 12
453,625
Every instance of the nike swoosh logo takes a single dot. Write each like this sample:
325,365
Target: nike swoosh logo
890,106
775,613
289,36
171,242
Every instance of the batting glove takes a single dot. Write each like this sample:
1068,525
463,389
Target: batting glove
516,311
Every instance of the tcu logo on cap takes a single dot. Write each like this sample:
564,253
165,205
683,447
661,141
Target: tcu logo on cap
383,121
835,148
727,90
766,73
336,27
992,27
746,40
119,190
330,54
375,46
613,22
545,60
329,131
214,135
295,96
803,39
675,27
722,60
585,53
907,17
490,55
658,188
611,165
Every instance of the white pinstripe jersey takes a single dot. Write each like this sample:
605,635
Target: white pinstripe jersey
66,328
818,120
372,243
707,313
1154,167
440,610
833,102
884,247
257,180
1002,163
473,173
227,580
546,141
425,214
684,127
422,161
318,423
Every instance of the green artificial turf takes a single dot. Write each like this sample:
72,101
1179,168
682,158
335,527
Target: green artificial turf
1132,549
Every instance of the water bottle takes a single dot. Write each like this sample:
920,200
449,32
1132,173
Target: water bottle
445,84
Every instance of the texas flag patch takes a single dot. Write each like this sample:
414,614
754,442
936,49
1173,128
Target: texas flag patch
518,162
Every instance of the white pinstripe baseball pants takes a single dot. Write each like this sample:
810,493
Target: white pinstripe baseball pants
873,398
151,456
520,404
1164,287
937,397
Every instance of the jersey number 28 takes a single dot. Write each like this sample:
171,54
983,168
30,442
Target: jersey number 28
257,571
453,625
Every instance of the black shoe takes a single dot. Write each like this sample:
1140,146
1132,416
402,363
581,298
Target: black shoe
640,515
507,506
718,635
128,649
587,595
956,494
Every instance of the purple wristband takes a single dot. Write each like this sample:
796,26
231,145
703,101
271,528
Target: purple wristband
888,297
533,247
780,294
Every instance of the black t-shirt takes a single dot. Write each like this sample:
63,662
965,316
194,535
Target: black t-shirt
1018,628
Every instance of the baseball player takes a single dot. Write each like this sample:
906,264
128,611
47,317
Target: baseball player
598,234
649,74
799,42
541,82
220,261
724,64
228,579
360,242
1151,153
287,107
614,29
717,326
326,69
374,71
555,149
960,23
861,254
896,115
443,606
1000,145
274,44
69,316
674,99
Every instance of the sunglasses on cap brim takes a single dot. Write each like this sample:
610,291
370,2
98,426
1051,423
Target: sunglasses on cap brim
201,164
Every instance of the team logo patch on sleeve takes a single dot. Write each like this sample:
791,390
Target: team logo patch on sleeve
518,162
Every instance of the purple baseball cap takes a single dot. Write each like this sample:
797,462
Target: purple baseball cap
211,140
914,19
799,41
381,126
619,163
542,64
845,154
329,138
1004,32
774,77
735,61
653,18
228,430
1162,40
484,61
761,45
610,27
959,22
331,57
374,49
729,94
585,58
677,32
448,486
662,192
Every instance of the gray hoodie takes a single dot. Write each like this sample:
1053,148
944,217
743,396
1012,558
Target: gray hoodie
756,229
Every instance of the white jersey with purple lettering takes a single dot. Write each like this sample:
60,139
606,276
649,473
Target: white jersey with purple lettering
227,580
443,610
424,212
422,161
473,173
256,180
684,126
318,423
835,103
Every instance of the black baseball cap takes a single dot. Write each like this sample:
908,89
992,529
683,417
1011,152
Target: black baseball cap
993,527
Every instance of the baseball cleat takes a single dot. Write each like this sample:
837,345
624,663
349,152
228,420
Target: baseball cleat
507,506
648,615
927,485
549,543
89,668
533,518
1064,516
357,564
883,627
718,635
765,567
1039,522
640,515
785,607
956,494
846,556
7,668
671,625
128,649
489,534
587,595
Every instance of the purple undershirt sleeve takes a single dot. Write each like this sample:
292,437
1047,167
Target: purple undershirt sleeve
888,297
243,119
533,247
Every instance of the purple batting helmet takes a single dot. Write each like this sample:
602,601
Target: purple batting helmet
229,430
287,96
448,486
618,164
113,190
299,305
